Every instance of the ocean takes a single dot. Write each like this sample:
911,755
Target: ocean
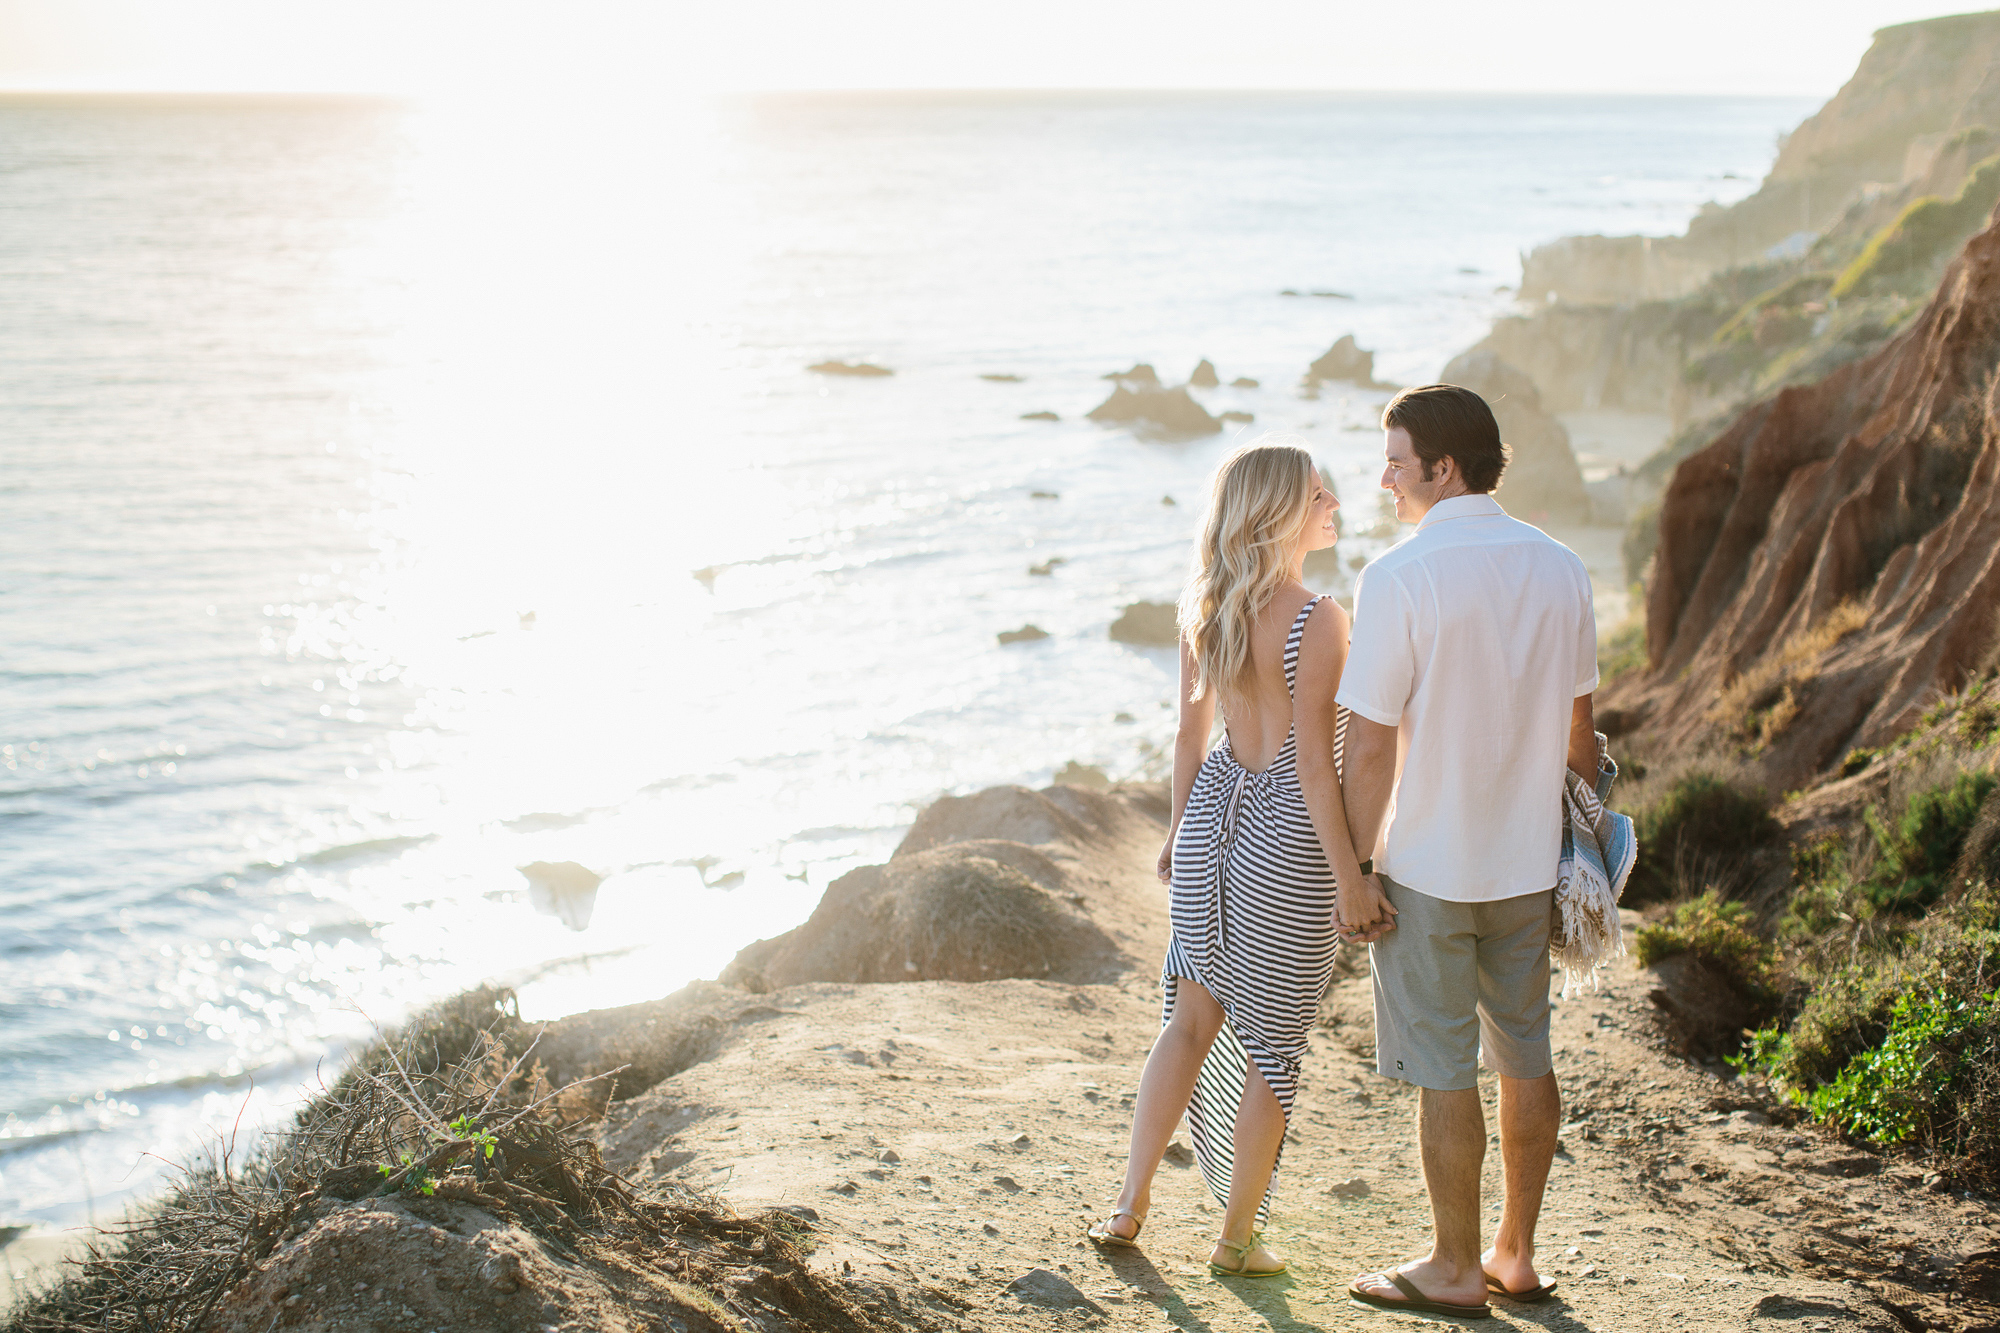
398,495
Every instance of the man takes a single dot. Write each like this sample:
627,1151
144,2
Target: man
1469,683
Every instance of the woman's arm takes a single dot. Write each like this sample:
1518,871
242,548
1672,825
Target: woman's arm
1190,748
1361,906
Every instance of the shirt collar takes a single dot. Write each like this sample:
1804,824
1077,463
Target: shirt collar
1462,506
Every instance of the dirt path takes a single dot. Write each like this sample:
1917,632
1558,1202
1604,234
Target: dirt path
954,1138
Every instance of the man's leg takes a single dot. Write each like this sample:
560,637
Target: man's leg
1426,986
1451,1130
1530,1114
1514,1037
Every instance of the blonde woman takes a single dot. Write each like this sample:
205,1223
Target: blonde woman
1259,838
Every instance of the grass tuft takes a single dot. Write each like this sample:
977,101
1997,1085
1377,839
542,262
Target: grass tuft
1759,703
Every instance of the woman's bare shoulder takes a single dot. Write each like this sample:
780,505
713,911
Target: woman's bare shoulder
1329,620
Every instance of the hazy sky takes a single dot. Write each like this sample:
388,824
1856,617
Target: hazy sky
680,46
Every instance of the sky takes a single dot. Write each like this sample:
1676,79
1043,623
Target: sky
500,47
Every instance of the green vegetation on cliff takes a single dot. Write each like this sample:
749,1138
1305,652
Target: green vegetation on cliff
1866,966
1923,237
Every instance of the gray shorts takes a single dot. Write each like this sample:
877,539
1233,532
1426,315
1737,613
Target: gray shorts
1455,981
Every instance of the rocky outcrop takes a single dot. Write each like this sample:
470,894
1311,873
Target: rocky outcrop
1345,360
1542,483
1141,374
1168,411
1149,624
862,369
1831,563
1204,376
1007,883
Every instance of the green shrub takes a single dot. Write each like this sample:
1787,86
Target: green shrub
1923,233
1721,935
1857,759
1703,827
1935,1041
1919,851
1895,1032
1824,898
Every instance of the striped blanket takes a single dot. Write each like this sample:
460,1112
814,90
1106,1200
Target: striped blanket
1598,849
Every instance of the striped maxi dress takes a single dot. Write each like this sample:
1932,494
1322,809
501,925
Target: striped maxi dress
1252,908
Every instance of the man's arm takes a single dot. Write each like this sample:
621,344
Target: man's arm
1368,778
1582,741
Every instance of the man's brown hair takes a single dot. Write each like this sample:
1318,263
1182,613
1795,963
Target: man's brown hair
1446,421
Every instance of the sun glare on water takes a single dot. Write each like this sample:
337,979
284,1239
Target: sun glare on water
549,467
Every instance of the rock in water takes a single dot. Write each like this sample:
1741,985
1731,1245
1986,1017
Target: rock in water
1038,1286
1004,378
562,889
1243,382
1542,483
1345,360
861,368
1204,376
1322,567
1152,624
1040,416
1073,774
1025,634
1238,416
1172,410
1140,374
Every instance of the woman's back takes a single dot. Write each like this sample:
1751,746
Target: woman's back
1258,717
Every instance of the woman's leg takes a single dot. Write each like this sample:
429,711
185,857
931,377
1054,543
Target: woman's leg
1164,1091
1260,1132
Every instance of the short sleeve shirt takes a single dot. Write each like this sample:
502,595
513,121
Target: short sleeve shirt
1473,636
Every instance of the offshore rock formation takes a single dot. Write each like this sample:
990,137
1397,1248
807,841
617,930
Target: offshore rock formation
1172,411
1345,360
1150,624
1830,564
1542,483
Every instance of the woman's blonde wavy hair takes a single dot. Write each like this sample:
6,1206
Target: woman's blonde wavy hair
1257,508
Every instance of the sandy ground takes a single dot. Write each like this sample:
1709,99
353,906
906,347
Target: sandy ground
956,1138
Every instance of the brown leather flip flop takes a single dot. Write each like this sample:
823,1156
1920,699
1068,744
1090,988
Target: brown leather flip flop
1528,1296
1416,1300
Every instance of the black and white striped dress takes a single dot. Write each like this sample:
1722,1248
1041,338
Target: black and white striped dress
1252,907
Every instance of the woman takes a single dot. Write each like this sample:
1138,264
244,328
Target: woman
1258,836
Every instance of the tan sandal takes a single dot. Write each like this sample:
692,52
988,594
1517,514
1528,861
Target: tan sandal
1102,1234
1242,1254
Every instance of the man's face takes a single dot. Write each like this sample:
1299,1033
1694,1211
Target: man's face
1403,476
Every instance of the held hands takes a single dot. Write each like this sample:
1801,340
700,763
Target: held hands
1361,912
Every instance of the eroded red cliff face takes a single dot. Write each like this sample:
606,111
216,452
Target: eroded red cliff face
1876,488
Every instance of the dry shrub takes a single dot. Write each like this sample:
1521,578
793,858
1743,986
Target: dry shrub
1759,703
1701,825
482,1128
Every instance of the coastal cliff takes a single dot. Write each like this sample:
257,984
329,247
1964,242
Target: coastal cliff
1917,85
1696,326
1830,566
